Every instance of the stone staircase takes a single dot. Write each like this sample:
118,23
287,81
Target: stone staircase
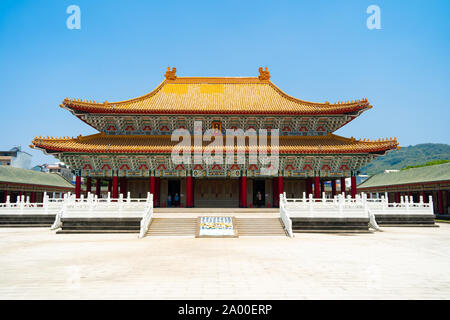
188,227
172,227
260,227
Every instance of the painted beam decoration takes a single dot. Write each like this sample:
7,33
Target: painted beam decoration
289,166
165,125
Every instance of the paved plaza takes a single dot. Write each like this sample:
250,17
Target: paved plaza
398,263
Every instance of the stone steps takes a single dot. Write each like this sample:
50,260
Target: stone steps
259,227
173,227
188,227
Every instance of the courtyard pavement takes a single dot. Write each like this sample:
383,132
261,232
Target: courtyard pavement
398,263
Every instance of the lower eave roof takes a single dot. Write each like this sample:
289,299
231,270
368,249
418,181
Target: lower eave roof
142,144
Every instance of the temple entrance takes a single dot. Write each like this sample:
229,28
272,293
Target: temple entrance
216,193
259,186
173,193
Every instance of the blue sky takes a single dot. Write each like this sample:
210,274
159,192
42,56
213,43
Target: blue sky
315,50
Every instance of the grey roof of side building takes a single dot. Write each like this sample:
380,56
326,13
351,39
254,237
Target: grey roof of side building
10,174
434,173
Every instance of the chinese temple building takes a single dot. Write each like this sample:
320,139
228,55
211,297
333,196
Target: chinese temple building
133,147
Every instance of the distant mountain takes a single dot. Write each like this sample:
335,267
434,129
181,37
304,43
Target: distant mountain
408,156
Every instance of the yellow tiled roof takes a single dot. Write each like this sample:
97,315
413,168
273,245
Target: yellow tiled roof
103,143
203,95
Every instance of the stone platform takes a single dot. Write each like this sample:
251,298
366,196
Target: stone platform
398,220
26,220
309,224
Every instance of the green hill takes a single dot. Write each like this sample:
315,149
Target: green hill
408,156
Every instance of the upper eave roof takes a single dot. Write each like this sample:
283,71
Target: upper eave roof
215,95
142,144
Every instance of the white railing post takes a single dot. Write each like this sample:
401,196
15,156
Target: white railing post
284,216
147,216
311,203
430,202
120,202
58,218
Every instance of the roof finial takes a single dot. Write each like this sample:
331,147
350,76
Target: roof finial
170,75
263,74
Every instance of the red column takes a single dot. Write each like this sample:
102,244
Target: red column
123,186
343,185
33,197
98,187
115,187
424,196
333,188
157,192
280,187
77,187
316,187
275,195
240,192
192,192
88,185
308,186
440,203
397,197
152,187
6,196
353,186
244,191
188,191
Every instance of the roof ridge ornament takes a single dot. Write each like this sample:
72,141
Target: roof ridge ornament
263,74
170,74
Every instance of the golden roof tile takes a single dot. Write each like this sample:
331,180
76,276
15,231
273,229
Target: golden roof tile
216,95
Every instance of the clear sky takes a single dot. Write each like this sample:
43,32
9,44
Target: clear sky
315,50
